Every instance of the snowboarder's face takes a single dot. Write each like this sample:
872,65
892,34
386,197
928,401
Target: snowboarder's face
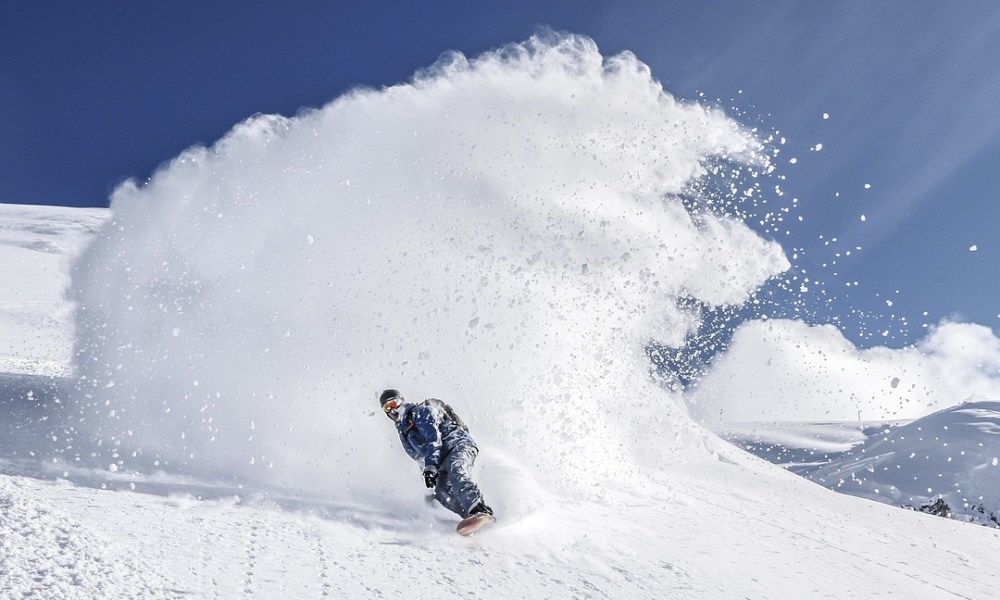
391,407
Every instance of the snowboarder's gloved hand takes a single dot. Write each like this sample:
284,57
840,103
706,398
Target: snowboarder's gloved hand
430,477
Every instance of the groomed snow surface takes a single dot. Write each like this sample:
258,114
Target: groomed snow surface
194,414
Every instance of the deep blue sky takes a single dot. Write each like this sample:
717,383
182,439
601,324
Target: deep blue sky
95,92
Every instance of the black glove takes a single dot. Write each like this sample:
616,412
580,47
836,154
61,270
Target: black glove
430,477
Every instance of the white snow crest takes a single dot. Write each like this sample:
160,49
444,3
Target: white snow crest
504,233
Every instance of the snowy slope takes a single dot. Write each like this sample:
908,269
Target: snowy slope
730,527
722,536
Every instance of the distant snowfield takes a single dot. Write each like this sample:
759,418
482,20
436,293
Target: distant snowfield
729,527
36,244
950,456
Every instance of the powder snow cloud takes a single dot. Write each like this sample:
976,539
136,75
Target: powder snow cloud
504,231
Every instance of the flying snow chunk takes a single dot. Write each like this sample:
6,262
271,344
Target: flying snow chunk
863,218
973,248
868,186
826,116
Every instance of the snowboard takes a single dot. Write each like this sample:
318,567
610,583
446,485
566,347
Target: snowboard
474,523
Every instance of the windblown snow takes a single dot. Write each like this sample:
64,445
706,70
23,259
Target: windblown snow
507,232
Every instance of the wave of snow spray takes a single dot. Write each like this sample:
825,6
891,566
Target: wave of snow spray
505,232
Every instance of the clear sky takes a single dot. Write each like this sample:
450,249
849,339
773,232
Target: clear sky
902,95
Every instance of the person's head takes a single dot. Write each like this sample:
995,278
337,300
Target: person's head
390,400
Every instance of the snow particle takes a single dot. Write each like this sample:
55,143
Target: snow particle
826,116
868,186
863,218
973,248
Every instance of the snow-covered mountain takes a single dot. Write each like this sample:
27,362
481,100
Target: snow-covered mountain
207,427
944,463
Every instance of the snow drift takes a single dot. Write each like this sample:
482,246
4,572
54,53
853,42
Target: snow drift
504,232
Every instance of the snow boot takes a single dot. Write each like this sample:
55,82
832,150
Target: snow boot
480,508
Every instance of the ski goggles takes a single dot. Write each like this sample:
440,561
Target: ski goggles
392,404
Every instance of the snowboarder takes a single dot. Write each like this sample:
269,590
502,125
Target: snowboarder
431,432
